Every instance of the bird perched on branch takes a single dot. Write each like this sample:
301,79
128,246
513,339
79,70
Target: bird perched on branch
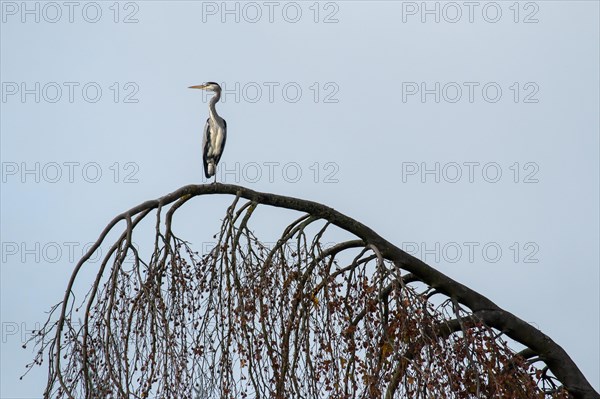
215,132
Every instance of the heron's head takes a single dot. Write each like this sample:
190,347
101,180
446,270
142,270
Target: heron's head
209,86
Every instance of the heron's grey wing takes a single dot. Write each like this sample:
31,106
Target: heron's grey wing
218,157
205,147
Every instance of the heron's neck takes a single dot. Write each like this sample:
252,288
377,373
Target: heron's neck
211,105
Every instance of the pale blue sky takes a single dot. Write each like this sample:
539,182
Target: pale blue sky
328,111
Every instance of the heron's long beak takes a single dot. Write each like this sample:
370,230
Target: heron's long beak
198,87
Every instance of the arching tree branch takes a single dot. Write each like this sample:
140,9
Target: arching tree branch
487,312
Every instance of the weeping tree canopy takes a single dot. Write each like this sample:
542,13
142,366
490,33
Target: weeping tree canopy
298,319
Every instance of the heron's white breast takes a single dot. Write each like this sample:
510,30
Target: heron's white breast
216,140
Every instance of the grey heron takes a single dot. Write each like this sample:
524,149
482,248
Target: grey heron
215,132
